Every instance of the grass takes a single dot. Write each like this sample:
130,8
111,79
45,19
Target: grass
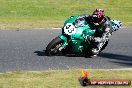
22,14
59,78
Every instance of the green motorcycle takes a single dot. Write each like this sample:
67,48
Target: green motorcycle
72,39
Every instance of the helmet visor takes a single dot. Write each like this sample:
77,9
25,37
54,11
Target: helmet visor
95,19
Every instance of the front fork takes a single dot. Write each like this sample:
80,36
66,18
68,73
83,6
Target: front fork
65,42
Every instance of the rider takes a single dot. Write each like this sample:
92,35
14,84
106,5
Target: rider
103,26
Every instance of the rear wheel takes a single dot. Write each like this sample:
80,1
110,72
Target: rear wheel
106,43
53,47
91,53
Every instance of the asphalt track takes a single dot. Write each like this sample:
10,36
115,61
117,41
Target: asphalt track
24,50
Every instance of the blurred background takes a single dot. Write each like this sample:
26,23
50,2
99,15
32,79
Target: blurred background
28,14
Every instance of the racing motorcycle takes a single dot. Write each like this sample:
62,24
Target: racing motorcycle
72,39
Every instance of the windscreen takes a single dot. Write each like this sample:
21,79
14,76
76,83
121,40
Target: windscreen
80,22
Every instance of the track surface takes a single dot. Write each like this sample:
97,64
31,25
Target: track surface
23,50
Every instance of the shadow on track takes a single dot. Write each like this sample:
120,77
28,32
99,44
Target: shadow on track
40,53
119,59
43,53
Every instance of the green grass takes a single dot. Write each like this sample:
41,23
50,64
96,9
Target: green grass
52,13
59,78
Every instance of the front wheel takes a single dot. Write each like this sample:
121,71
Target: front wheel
53,47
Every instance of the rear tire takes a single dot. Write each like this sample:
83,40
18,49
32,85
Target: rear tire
106,43
53,47
90,53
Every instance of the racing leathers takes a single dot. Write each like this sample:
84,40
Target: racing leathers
102,33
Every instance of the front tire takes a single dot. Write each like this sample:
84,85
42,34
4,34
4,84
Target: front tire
53,47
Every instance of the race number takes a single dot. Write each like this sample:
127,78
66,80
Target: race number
69,29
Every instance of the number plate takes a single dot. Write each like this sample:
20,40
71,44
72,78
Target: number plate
69,29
